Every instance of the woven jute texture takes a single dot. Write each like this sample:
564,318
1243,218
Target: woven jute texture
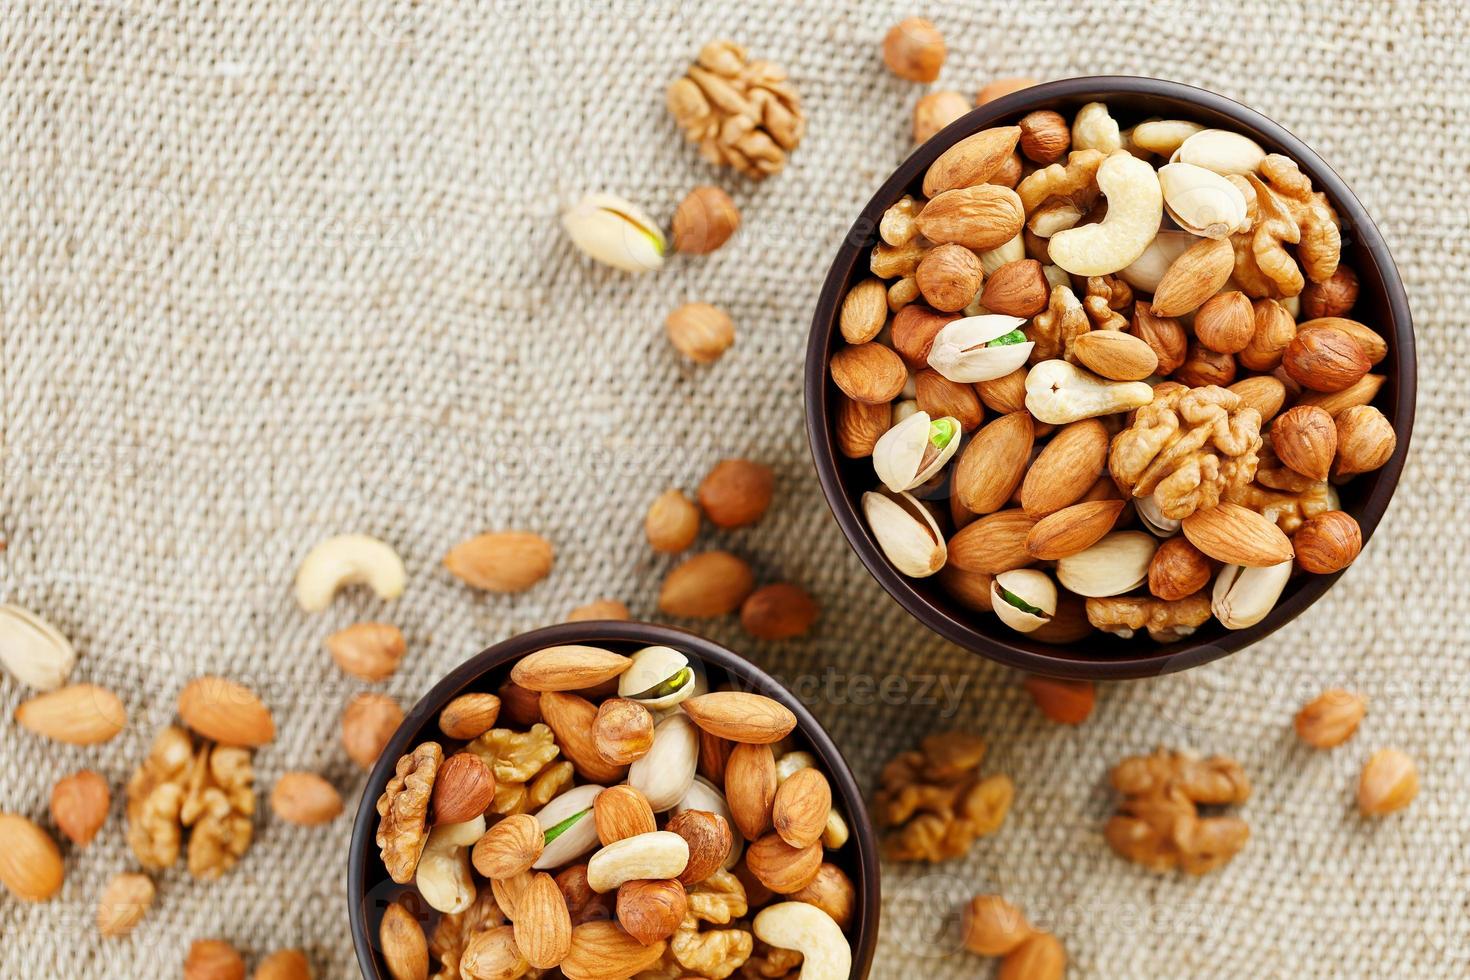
277,269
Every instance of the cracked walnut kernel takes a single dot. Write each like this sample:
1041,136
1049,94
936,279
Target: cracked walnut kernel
219,809
454,931
1166,621
1158,824
713,953
742,113
155,797
403,810
934,803
525,776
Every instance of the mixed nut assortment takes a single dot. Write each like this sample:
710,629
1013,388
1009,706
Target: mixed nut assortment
609,816
1098,369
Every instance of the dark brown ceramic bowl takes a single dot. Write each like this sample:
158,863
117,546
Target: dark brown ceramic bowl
370,889
1382,305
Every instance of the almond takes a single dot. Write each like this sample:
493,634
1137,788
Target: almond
969,589
711,584
469,716
568,668
1072,529
993,544
1237,535
226,712
651,910
124,903
79,805
368,722
543,925
1116,355
1016,289
713,754
736,492
1005,394
982,217
1066,469
30,861
284,964
622,812
1065,702
405,948
572,719
868,373
972,160
1164,336
709,839
1325,359
1226,322
779,612
1330,718
306,799
993,926
942,398
1334,403
501,561
949,276
750,788
463,789
993,463
1194,277
622,731
79,714
369,651
701,332
1305,439
803,803
1368,340
519,706
864,311
1327,542
780,867
858,428
1177,569
740,716
492,953
1045,136
1263,393
602,949
213,959
1389,782
509,847
914,329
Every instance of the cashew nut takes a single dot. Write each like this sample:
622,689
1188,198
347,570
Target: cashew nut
574,840
812,933
1163,136
443,876
348,559
665,773
1135,209
704,796
1096,129
658,854
1058,393
1147,271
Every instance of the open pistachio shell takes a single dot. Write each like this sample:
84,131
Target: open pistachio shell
1032,587
1201,201
1153,519
1116,564
914,450
906,532
1243,596
658,677
575,840
615,232
663,775
961,353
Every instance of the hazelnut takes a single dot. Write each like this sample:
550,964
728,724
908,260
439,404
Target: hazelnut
1226,322
1274,330
832,892
1305,439
1000,88
79,805
622,731
1389,782
993,926
1334,297
700,332
736,492
306,799
937,110
519,706
583,903
778,612
469,716
213,959
704,221
1325,359
709,838
1203,366
124,902
949,276
1177,569
672,522
1039,958
1045,136
1327,543
367,724
1017,289
1164,336
1062,701
368,651
1365,440
284,964
914,49
651,910
464,788
1330,718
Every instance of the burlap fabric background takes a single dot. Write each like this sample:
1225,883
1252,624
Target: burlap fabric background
273,270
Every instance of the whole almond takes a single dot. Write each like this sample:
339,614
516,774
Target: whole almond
1327,542
750,788
740,716
982,217
492,953
622,812
1263,393
463,789
501,561
1065,702
1330,718
570,667
1045,136
701,332
509,847
213,959
1305,439
780,867
401,939
672,522
859,426
1072,529
993,926
1116,355
1365,440
713,754
469,716
543,925
284,964
124,903
1336,402
704,221
1325,359
1194,277
1274,331
370,651
864,311
870,372
368,722
779,611
949,276
1368,340
1016,289
971,161
79,714
1177,569
226,712
991,466
736,492
942,398
1389,782
1164,336
602,949
79,805
1068,624
651,909
993,544
306,799
1226,322
572,719
30,861
710,584
969,589
1039,957
709,839
622,731
803,803
914,329
1237,535
1066,469
832,892
1005,394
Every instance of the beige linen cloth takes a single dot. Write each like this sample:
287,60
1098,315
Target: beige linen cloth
277,269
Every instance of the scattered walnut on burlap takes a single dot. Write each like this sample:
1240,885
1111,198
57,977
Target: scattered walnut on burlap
742,113
933,803
219,809
1158,824
1166,621
403,811
156,795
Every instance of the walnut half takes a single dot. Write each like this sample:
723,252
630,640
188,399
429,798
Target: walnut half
403,811
1158,824
1165,621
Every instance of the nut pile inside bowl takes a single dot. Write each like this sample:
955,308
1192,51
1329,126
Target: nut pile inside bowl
1109,379
605,815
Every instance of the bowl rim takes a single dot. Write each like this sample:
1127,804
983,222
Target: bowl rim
362,849
1179,656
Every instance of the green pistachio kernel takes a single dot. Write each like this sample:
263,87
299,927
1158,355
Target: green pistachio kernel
566,825
1007,339
1019,603
664,688
942,432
